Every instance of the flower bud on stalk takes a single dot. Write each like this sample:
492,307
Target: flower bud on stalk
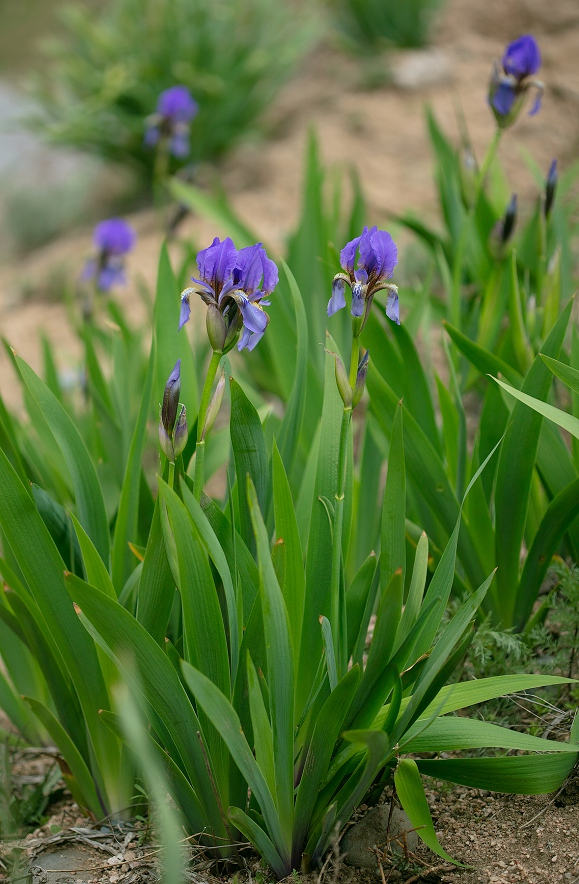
342,381
173,423
550,188
214,406
361,378
502,232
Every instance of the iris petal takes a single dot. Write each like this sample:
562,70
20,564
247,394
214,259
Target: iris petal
337,301
185,312
392,309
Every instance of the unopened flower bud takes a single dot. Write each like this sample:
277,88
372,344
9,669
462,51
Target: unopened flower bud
503,230
551,187
166,443
171,399
214,406
172,428
180,435
216,328
344,388
361,378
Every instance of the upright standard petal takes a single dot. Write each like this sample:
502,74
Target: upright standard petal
385,253
216,263
522,57
114,236
177,103
348,254
337,301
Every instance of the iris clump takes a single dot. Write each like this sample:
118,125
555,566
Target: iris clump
169,125
112,239
509,86
235,285
377,258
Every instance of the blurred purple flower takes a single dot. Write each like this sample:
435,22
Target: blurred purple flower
508,87
170,123
235,286
551,187
377,258
112,238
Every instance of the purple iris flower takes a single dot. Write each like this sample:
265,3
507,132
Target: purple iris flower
235,285
508,87
377,258
112,238
176,108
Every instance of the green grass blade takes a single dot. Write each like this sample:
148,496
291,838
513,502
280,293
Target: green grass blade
225,719
250,455
561,418
559,516
280,670
514,472
518,775
156,586
219,559
450,733
126,527
87,489
291,569
318,570
410,790
79,780
327,729
289,435
166,699
393,545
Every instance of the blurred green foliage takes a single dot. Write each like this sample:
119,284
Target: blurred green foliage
104,78
378,24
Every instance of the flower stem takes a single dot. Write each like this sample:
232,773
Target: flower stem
336,602
204,405
487,163
171,476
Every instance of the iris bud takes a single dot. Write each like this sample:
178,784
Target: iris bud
171,399
503,230
216,328
361,378
342,380
214,406
550,188
172,428
180,435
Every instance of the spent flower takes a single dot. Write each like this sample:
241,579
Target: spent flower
512,79
170,124
173,422
377,258
112,239
235,286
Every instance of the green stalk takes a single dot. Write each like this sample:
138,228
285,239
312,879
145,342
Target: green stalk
171,477
487,162
204,405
